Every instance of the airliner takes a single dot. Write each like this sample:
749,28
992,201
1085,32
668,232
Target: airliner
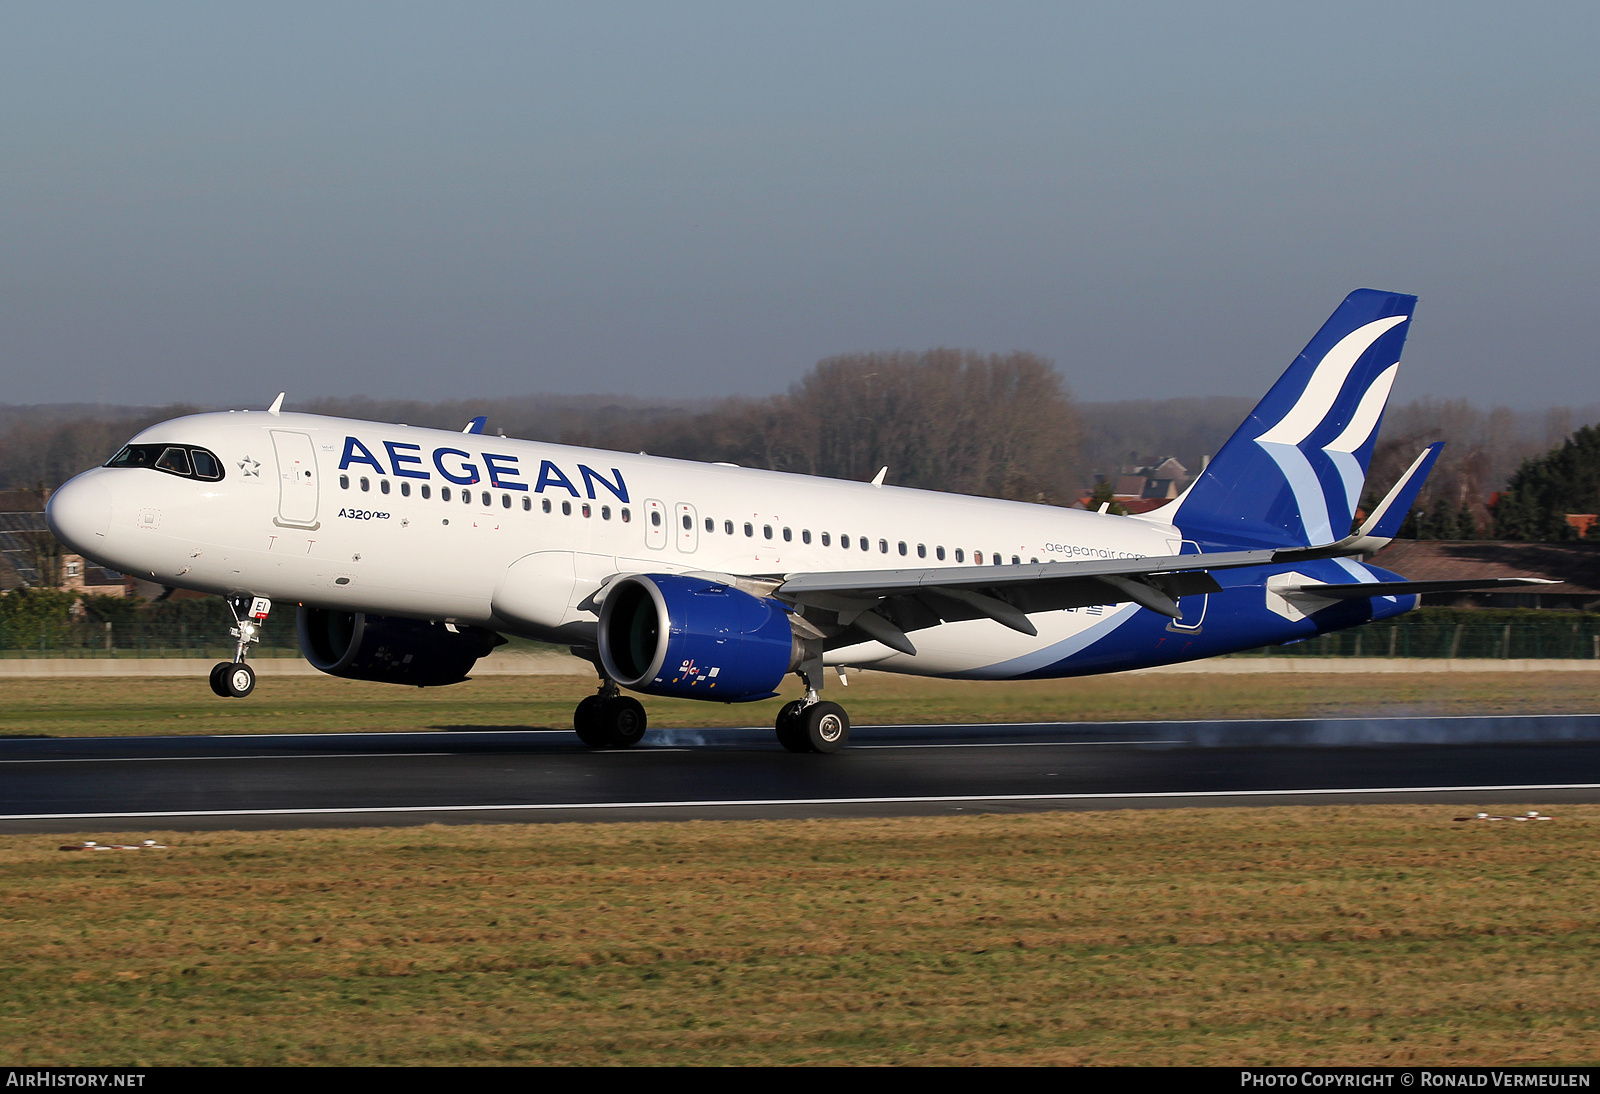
409,553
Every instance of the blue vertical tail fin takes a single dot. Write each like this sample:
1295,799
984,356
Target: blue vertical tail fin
1291,475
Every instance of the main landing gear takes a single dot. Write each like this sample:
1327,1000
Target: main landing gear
609,719
810,724
235,679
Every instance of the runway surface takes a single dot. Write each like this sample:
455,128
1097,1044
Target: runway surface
483,774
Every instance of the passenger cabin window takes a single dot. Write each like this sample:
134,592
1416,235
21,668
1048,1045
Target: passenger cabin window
566,511
883,546
788,536
186,462
922,552
405,490
626,516
586,509
655,516
805,535
727,527
605,512
427,491
688,523
938,553
711,525
960,556
844,541
544,503
902,547
344,482
749,529
383,486
766,531
865,546
825,540
505,501
444,493
527,504
366,484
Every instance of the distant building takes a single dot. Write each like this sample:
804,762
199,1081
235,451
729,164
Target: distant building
27,544
1139,489
1575,566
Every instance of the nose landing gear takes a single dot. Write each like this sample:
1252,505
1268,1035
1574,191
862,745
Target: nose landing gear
235,679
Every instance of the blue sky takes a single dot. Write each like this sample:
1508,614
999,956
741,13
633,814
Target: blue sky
216,202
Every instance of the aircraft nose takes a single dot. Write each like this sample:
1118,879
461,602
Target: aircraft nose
80,513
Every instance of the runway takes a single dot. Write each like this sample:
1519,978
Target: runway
483,774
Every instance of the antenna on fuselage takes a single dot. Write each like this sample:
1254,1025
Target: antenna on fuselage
877,480
476,425
277,405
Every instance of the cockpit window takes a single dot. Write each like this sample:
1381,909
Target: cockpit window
205,465
183,460
174,459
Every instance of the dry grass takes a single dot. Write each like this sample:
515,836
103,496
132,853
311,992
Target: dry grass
142,705
1357,935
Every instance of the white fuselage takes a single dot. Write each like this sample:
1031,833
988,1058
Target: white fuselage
543,526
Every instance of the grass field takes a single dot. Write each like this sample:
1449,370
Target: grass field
61,707
1338,935
1334,935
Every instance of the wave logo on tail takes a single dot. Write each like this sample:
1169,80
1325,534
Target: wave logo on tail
1292,473
1282,442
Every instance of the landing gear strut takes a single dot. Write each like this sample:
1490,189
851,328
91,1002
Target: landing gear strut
235,679
609,719
810,724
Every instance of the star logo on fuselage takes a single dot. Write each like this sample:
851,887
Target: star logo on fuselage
251,468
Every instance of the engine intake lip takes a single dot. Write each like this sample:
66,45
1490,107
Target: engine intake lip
633,631
330,639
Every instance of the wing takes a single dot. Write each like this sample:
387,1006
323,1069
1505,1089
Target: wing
850,606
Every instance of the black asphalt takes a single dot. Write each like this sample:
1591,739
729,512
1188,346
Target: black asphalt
478,774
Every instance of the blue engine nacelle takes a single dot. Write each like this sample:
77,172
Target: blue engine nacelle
390,650
695,638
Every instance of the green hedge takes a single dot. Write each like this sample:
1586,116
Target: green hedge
46,623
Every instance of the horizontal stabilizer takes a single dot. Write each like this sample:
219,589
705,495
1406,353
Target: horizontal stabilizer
1408,588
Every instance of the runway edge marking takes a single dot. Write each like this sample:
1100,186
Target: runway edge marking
735,803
